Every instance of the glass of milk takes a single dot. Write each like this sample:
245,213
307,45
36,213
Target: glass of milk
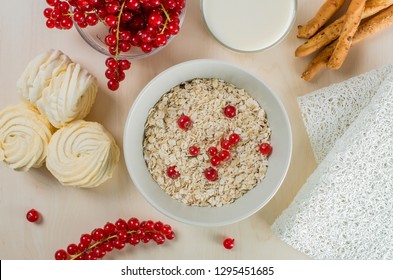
249,25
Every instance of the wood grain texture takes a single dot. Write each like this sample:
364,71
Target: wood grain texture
69,212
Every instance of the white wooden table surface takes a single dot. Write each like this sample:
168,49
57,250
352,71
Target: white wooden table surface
69,212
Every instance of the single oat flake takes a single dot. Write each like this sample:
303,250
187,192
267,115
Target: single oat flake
165,144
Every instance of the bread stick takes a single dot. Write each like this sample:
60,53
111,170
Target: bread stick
366,29
325,12
352,20
332,31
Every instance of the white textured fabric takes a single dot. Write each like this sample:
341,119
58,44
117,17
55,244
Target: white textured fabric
328,112
345,209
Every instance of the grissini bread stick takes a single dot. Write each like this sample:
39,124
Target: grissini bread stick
366,29
353,17
325,12
333,31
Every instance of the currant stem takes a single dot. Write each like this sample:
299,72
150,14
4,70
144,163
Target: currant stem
98,243
167,18
118,29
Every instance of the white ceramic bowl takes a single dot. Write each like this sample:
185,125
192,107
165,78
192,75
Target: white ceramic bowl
252,201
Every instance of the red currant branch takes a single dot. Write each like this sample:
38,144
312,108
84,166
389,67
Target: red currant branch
115,236
146,25
92,247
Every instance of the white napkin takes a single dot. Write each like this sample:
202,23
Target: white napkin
345,209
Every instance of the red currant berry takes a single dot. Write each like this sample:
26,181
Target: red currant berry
160,40
145,36
122,235
98,234
224,155
155,20
48,12
225,144
121,75
108,246
113,7
158,238
211,174
229,243
229,111
212,151
184,122
111,20
72,249
140,233
66,23
166,229
158,225
113,85
234,138
133,223
172,173
124,64
91,19
99,251
32,216
215,161
121,224
265,149
118,244
82,247
149,225
52,2
193,151
61,255
102,13
82,24
91,256
85,239
134,240
125,17
169,4
63,6
55,14
155,3
111,63
79,17
125,35
133,4
109,228
50,23
170,236
124,46
111,74
146,47
173,28
110,40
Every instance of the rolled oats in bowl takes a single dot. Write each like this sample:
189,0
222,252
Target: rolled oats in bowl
182,172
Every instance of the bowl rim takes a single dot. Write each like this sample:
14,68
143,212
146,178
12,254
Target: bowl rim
134,176
278,41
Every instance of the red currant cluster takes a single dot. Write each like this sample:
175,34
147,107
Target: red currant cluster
146,24
115,236
216,157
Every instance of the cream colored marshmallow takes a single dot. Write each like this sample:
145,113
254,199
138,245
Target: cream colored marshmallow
39,72
69,96
82,154
24,137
